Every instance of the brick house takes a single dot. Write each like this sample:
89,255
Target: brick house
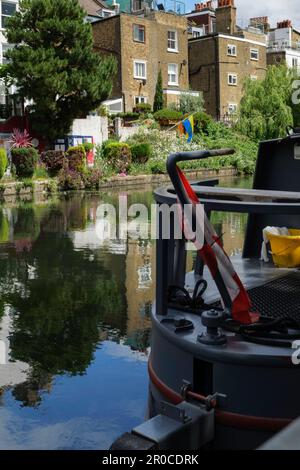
219,63
143,44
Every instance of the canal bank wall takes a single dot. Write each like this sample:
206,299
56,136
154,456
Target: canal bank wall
28,188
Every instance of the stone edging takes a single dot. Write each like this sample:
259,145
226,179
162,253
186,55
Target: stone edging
142,180
20,188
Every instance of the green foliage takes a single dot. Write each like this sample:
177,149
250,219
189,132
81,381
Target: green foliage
217,136
54,161
143,108
92,178
54,65
158,103
129,115
202,122
141,152
76,158
157,167
266,108
168,114
3,162
88,147
40,172
24,161
69,179
189,103
118,156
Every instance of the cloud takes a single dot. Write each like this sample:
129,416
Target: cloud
276,10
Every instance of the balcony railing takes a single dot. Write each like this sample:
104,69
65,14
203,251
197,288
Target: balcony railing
283,46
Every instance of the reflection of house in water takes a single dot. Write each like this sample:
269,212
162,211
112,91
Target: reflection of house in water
11,373
140,272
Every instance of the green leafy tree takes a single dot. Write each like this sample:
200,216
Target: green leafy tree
53,64
267,108
158,97
189,103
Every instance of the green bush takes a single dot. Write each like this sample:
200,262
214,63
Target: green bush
76,158
202,122
118,156
127,115
141,152
143,108
53,160
24,161
3,162
189,103
168,114
158,167
88,146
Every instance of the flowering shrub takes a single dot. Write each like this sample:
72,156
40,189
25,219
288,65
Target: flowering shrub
53,160
91,178
70,179
20,139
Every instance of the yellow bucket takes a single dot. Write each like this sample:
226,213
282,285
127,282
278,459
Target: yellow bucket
286,249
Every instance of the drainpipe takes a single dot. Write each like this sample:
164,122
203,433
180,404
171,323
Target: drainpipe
217,77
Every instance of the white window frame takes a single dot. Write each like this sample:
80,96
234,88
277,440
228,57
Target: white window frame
230,48
175,40
232,108
144,31
232,79
171,83
256,52
254,77
139,77
7,16
140,99
3,46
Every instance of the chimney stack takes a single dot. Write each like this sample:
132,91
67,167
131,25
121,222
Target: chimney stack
284,24
204,6
226,17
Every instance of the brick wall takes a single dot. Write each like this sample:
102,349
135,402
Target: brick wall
210,65
153,51
107,41
203,71
242,65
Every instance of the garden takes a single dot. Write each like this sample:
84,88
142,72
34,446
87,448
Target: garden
143,153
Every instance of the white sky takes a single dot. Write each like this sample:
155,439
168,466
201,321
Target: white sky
277,10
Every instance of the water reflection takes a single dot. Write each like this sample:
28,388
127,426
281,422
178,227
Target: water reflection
75,321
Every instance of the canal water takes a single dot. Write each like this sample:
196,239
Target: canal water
75,321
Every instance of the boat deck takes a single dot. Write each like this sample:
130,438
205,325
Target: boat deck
274,292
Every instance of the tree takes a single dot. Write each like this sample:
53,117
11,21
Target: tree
189,103
54,66
158,98
267,109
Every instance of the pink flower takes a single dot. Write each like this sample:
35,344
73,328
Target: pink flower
123,174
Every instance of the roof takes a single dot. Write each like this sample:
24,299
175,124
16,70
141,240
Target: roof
92,7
